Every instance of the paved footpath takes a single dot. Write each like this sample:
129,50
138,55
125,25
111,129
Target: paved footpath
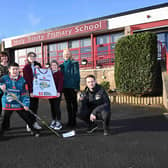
139,139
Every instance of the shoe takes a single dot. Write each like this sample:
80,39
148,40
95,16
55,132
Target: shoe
37,126
53,123
28,129
92,127
35,133
58,126
106,133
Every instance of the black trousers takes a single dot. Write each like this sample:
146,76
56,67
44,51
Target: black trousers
55,108
71,103
85,110
6,114
1,103
34,103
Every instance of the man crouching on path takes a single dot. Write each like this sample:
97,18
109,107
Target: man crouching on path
94,104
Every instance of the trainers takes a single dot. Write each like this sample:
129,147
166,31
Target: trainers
58,125
92,127
53,123
35,133
28,129
37,126
106,133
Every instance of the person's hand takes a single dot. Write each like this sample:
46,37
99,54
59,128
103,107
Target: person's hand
37,66
58,94
31,95
26,108
80,96
3,87
92,117
76,90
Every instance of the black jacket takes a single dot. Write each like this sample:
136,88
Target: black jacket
3,70
98,100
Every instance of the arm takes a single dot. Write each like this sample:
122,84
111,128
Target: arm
28,76
60,82
2,85
105,106
77,75
25,99
37,64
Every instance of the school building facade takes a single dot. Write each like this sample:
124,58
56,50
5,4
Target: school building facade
92,42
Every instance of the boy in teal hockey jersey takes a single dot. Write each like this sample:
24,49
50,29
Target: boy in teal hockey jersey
14,84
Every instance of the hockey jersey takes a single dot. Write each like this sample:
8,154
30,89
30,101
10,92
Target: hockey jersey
17,87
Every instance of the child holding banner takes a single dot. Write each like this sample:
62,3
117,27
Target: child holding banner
28,74
55,102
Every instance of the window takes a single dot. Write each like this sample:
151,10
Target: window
21,52
105,47
73,44
62,46
52,47
55,51
162,40
85,48
104,39
30,49
116,36
85,42
21,55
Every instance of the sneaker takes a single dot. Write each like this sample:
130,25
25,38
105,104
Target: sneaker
37,126
92,127
53,123
58,125
28,129
106,133
35,133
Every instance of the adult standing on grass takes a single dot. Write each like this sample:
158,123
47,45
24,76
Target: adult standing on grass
3,71
70,70
29,74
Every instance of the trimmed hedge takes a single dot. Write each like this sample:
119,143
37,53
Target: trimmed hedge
136,63
105,85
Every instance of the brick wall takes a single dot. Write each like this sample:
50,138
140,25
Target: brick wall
108,73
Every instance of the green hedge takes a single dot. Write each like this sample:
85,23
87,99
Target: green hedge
136,63
105,85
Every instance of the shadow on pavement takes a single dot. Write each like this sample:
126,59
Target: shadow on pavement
150,123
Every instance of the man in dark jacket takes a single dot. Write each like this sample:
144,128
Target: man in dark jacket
94,104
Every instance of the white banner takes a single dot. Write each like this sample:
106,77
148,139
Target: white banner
43,84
